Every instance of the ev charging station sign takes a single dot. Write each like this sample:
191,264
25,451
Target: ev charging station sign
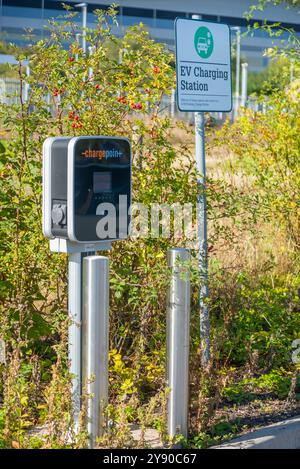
203,68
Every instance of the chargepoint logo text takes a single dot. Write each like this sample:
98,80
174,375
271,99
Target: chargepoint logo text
102,154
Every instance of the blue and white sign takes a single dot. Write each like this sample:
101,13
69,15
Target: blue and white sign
203,68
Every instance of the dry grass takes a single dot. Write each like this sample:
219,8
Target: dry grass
250,250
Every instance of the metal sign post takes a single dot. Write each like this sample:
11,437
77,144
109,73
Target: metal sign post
203,74
202,237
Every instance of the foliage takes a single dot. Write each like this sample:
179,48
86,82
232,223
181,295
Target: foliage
118,90
119,99
260,327
261,5
271,142
288,43
277,382
276,77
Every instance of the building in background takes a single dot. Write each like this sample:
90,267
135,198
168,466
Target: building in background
157,15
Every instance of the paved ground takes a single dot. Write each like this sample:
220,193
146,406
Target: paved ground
281,435
151,436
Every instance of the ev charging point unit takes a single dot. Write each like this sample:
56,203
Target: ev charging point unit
86,192
86,201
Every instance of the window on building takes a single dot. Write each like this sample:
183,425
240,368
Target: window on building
130,16
169,15
21,3
139,12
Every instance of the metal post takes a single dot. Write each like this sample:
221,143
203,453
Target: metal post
202,234
91,52
172,106
202,237
237,71
95,342
75,332
244,94
26,88
83,7
178,336
48,101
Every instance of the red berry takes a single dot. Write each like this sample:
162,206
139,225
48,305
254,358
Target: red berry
97,86
71,59
136,106
156,69
122,99
76,118
147,90
74,125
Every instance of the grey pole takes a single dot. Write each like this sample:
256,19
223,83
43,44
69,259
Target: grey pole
202,238
91,52
244,94
178,338
75,332
172,106
77,38
95,326
202,234
237,71
26,88
83,7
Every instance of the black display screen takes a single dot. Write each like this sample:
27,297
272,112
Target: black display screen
102,174
102,182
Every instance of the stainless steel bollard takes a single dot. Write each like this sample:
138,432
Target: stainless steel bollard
178,339
95,324
75,331
244,95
